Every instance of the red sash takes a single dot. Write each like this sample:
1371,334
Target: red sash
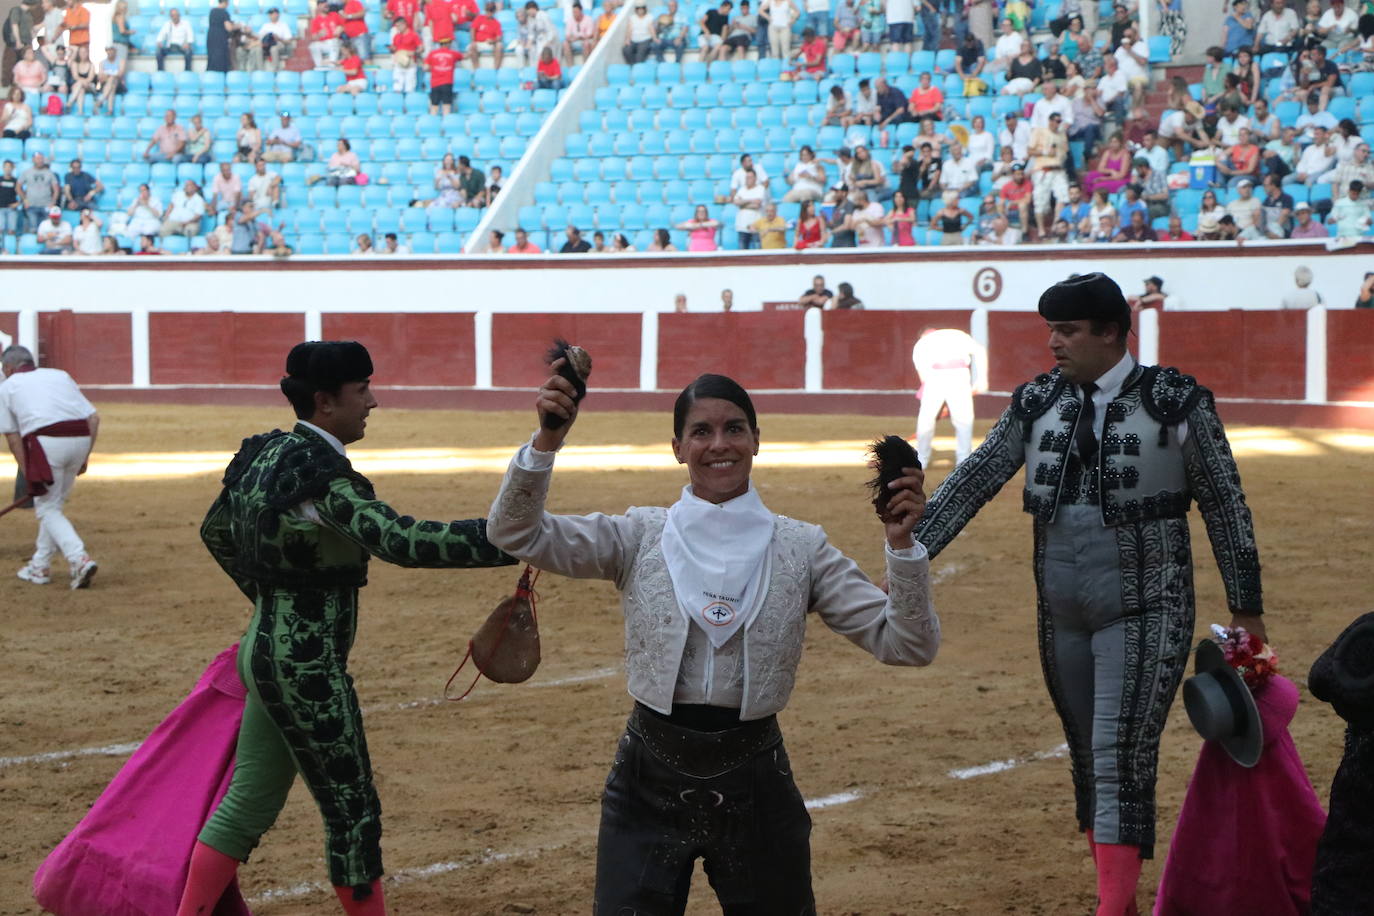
37,471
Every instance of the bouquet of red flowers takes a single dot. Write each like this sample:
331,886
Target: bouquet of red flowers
1247,653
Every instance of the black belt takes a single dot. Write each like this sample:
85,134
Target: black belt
702,754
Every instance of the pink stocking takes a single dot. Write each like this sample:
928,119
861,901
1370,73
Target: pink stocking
1118,873
372,905
210,873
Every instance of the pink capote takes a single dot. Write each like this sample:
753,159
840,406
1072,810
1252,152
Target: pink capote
129,855
1246,840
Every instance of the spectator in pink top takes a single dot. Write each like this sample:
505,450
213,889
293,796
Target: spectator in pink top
701,230
30,73
226,190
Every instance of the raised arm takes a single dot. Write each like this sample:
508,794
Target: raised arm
897,628
1215,483
970,485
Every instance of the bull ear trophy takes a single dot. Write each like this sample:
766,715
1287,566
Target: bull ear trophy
577,366
888,456
505,647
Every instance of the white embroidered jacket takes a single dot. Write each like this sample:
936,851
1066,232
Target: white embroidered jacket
808,574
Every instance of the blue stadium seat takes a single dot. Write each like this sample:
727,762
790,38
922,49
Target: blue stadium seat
744,71
669,73
1341,106
693,71
586,170
439,219
599,144
842,65
546,192
448,243
1159,46
769,69
944,60
597,193
756,95
511,148
732,95
896,63
676,193
693,119
654,97
543,100
693,167
700,141
770,117
618,75
677,142
413,219
590,120
333,220
646,72
625,143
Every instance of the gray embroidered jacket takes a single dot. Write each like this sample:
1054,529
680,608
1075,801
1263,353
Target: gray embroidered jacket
808,574
1144,471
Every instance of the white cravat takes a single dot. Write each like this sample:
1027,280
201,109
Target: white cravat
717,557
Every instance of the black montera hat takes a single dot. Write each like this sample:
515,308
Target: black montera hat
1344,674
327,364
1090,297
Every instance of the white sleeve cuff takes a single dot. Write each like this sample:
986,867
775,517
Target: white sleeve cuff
915,552
530,458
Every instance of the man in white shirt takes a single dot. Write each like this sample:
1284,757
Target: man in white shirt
1112,88
1133,57
1315,116
901,24
1051,103
284,142
1315,161
958,173
953,367
175,36
50,428
55,234
746,163
1008,46
1230,124
184,213
867,220
278,48
1278,29
865,104
1338,25
263,188
1016,135
749,201
1156,155
86,235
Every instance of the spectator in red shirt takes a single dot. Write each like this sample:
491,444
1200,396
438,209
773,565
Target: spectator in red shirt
927,101
811,54
405,54
523,245
441,63
355,80
464,11
355,28
403,9
1016,195
1176,231
486,35
324,30
440,20
550,71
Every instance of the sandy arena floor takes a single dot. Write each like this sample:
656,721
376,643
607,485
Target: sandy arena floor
491,805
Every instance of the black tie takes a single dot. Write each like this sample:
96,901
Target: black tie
1083,435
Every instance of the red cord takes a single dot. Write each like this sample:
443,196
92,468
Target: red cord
523,589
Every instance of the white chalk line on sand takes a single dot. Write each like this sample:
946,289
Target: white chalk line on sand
487,857
1011,763
119,750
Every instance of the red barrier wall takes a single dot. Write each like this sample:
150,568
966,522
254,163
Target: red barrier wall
411,349
9,323
1350,355
94,348
220,347
1018,349
756,349
1239,354
519,342
871,351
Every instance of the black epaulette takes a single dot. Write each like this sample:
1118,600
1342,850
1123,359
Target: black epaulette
1168,396
246,453
1031,399
302,470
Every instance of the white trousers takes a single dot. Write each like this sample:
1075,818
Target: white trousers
65,454
403,79
955,388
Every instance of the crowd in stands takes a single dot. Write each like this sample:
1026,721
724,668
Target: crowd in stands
1016,124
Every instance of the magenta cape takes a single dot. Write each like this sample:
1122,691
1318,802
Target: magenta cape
1246,840
130,853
